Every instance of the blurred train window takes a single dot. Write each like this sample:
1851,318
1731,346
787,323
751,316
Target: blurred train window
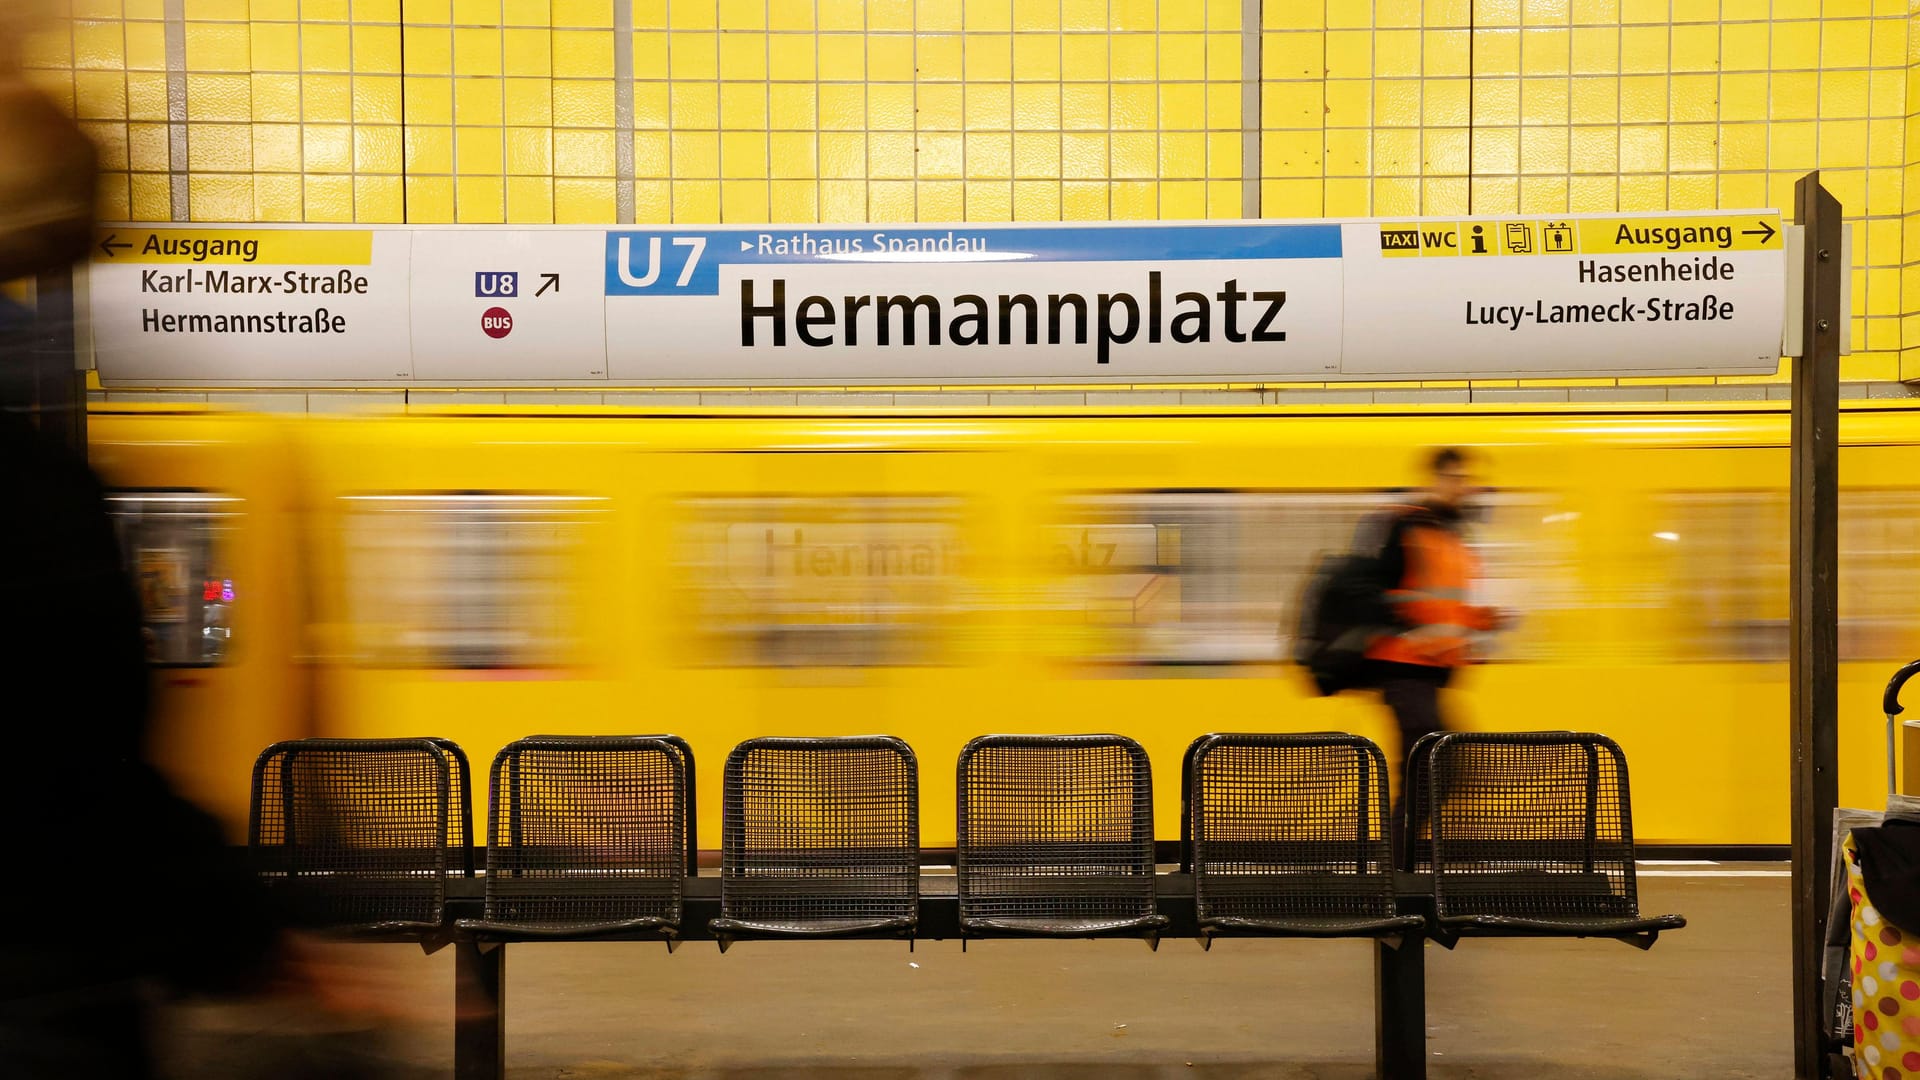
1728,554
1215,577
466,580
171,541
801,581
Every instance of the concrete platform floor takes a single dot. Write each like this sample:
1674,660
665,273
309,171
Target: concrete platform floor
1709,1001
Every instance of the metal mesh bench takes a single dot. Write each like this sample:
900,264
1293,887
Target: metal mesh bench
1056,837
1531,834
819,838
1287,837
359,836
587,837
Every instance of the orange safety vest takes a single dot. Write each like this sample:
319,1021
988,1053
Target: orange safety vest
1432,596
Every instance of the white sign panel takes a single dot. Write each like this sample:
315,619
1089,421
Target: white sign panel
1539,296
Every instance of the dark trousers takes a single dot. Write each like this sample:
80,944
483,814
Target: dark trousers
1412,692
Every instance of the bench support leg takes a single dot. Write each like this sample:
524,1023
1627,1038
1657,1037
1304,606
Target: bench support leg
1400,1009
479,1012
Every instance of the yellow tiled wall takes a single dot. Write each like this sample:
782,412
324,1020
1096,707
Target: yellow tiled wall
846,110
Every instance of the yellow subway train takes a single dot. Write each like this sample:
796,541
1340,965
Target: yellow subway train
724,574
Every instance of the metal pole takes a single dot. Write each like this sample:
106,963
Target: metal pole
1400,1009
1814,618
480,1012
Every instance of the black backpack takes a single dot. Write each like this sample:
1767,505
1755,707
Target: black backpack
1344,607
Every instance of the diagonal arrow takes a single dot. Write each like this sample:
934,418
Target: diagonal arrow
548,281
1765,232
108,245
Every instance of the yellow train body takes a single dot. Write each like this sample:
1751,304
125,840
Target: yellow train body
939,575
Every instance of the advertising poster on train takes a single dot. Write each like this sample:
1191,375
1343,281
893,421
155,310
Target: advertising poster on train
1655,294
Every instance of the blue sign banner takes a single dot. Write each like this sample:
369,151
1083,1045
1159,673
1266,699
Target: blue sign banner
686,262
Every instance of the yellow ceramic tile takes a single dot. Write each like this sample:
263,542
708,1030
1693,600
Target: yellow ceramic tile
1496,52
1036,201
940,155
941,200
790,58
276,148
476,51
742,56
743,155
1843,94
1083,106
1036,154
793,200
529,152
586,153
1693,48
1184,56
1845,43
1791,146
1292,198
1595,51
843,57
891,200
590,202
1842,144
989,200
1134,154
1223,152
1887,93
1134,108
1293,105
1643,193
1223,106
219,97
529,200
1597,149
1293,54
1446,102
220,198
219,148
110,144
1544,101
530,102
1445,150
798,15
149,197
328,199
1546,52
989,155
792,108
1225,199
1796,45
695,155
842,154
1692,99
475,150
1036,57
1743,97
480,200
889,57
1544,194
429,150
844,200
1643,148
429,51
1083,58
652,201
939,107
146,48
1446,52
147,96
1083,155
989,107
275,46
1396,102
694,105
148,149
1348,153
1396,153
1496,101
479,101
1543,150
791,155
1293,154
1742,146
1746,46
937,57
221,47
1347,54
1135,200
1889,48
743,201
890,155
1644,99
989,57
1396,53
1496,150
743,106
1183,200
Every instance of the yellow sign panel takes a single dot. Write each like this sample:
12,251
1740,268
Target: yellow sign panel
1587,236
235,247
1610,236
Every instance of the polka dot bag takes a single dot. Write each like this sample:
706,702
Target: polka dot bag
1886,988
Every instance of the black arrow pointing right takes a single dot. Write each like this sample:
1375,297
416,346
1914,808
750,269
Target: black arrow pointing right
1764,232
108,245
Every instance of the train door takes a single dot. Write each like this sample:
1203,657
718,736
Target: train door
201,505
820,592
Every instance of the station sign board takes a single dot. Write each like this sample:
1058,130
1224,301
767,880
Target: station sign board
1662,294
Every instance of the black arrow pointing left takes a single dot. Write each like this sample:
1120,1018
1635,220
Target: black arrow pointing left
108,245
548,281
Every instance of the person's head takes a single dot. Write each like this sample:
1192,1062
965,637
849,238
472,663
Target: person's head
1450,479
47,165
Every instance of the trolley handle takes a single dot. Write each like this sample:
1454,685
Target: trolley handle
1891,702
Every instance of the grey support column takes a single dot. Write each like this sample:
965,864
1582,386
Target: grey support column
1250,108
175,14
623,112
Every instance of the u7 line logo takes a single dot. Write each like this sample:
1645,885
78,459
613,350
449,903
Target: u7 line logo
647,277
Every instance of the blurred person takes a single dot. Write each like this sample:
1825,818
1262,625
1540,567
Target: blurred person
115,884
1429,572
